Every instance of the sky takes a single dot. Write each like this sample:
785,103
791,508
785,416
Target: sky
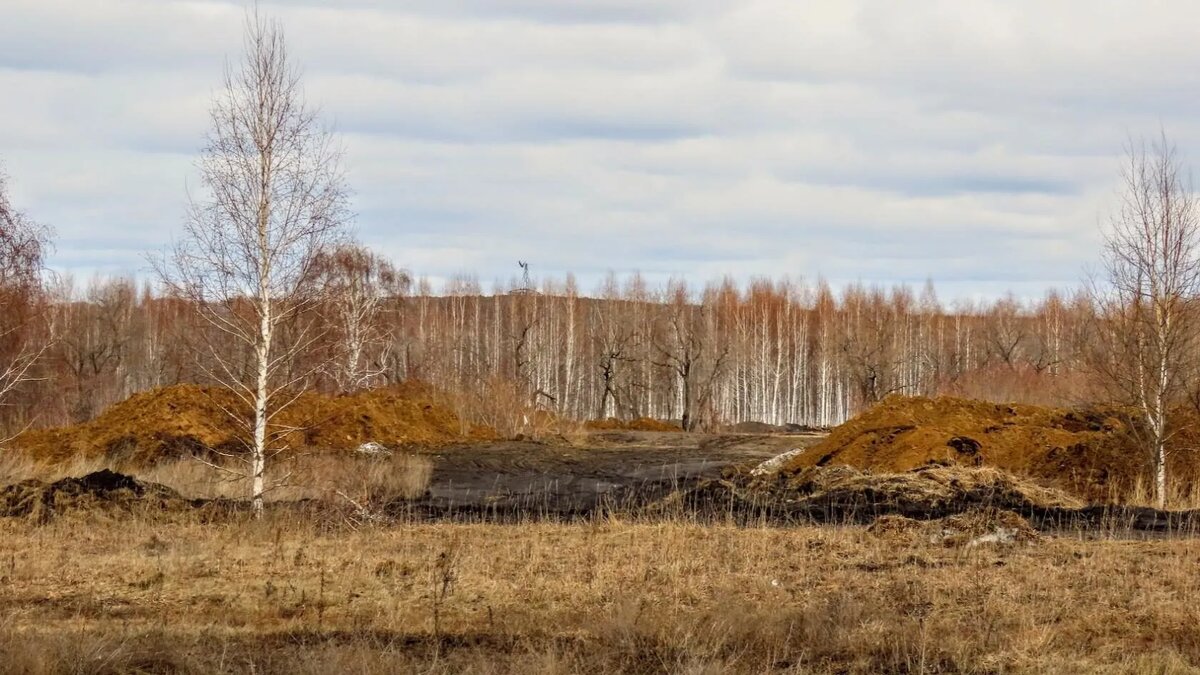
976,144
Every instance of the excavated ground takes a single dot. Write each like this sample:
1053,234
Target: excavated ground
492,480
655,476
1092,453
612,470
907,458
174,422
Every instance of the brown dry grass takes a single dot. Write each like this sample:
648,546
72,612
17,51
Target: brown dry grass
282,596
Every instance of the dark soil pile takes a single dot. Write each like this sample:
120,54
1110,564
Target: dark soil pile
639,424
927,492
178,421
842,494
1090,453
101,492
764,428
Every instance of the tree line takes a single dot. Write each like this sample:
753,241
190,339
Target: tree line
780,352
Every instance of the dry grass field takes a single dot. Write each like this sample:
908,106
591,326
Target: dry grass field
112,584
140,594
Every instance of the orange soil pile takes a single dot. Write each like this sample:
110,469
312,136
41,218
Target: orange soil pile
1088,452
176,421
639,424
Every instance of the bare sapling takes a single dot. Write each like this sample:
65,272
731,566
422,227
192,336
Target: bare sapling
1146,301
273,197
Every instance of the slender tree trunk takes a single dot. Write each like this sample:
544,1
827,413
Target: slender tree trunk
601,413
354,353
258,453
1160,472
686,418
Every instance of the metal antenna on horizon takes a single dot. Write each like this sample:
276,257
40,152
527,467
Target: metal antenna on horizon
526,282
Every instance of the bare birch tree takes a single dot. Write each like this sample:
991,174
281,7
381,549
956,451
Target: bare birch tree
1146,301
273,198
358,285
688,349
616,345
23,245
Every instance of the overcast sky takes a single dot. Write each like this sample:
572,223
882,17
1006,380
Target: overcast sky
974,143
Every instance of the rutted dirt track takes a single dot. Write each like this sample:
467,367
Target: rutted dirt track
525,479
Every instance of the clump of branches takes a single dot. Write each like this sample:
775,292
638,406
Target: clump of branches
24,245
360,289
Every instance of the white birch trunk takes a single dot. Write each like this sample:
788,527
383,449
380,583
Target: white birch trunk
258,451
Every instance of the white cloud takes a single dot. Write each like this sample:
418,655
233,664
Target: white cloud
972,142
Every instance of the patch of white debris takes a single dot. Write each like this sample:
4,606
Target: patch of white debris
776,463
373,449
1002,535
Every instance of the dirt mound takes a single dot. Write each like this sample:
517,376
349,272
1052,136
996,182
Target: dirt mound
395,417
99,492
927,492
639,424
842,494
1087,452
167,422
178,421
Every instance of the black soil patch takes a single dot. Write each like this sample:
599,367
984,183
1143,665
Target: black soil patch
842,495
100,491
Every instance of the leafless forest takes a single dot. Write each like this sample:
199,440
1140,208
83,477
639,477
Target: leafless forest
773,351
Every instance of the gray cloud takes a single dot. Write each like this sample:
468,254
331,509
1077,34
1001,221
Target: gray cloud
976,143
